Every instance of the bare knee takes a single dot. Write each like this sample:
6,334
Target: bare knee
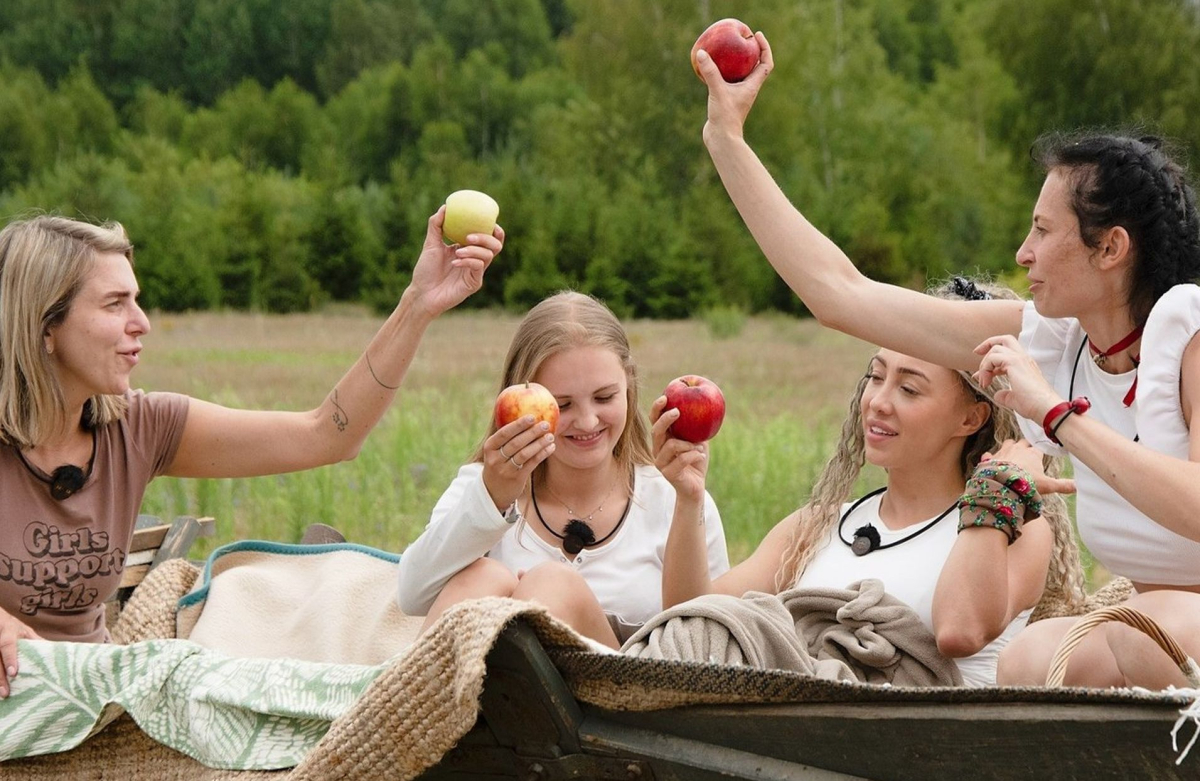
1026,660
552,583
483,577
559,588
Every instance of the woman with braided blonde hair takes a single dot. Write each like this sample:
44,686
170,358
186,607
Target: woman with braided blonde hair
933,430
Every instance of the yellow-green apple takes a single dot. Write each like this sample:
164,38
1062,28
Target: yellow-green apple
467,212
732,46
526,398
701,407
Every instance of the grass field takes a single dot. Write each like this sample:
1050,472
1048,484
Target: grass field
786,382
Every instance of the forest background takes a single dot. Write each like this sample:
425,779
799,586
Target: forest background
275,162
275,156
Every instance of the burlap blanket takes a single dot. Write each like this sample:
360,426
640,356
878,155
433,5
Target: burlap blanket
860,634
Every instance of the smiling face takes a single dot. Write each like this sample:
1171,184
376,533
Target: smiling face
1053,253
915,413
95,347
590,385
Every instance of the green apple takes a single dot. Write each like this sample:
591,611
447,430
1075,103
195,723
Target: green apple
467,212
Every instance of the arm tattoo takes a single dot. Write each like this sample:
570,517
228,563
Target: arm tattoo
340,418
371,368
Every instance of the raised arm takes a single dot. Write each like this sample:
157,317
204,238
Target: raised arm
816,269
222,442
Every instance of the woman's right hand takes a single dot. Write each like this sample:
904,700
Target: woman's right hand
12,629
729,104
510,455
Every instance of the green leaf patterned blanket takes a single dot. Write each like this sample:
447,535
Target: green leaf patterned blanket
248,714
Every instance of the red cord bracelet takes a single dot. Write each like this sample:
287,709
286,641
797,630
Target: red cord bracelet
1077,405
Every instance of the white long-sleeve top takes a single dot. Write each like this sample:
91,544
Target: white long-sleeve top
624,573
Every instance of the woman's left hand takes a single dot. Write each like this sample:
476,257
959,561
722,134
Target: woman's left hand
684,464
446,274
1024,455
1029,394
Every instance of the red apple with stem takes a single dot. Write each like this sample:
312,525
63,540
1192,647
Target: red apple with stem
701,407
732,46
526,398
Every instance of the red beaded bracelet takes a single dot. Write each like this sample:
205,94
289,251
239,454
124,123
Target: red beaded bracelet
1077,405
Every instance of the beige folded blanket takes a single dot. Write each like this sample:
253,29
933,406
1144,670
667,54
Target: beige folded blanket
860,633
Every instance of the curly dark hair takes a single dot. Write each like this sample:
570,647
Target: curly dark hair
1136,184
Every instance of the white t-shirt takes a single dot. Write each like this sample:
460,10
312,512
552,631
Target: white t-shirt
624,573
1122,538
909,572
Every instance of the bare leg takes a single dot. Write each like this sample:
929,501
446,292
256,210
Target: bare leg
1141,661
483,578
1112,654
567,596
1026,660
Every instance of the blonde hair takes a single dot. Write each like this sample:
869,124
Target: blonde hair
816,519
567,320
44,262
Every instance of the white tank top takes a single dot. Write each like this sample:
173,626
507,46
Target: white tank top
909,572
1119,536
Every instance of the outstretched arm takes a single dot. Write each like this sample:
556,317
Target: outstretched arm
943,332
222,442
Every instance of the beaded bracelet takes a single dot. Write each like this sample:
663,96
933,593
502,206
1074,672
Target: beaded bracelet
1000,495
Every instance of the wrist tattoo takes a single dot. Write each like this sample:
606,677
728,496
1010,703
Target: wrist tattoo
340,419
371,369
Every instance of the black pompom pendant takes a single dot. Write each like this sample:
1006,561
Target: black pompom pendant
65,481
576,536
866,539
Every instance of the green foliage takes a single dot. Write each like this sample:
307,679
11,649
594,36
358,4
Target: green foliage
276,155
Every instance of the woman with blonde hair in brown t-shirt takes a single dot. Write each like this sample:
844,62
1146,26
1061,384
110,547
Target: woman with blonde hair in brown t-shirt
78,446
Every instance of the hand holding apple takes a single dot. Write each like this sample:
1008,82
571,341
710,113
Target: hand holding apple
526,398
526,416
732,46
701,407
467,212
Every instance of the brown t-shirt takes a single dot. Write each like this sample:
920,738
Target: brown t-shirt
60,560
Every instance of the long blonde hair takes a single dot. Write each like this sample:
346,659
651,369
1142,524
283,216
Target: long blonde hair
44,262
567,320
817,518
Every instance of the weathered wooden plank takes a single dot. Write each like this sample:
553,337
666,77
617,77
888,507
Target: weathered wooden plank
148,537
131,576
923,740
183,532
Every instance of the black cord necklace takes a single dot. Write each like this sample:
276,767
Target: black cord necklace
577,535
866,537
65,480
1075,370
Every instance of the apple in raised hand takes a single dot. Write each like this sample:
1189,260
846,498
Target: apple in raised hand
526,398
467,212
732,46
701,407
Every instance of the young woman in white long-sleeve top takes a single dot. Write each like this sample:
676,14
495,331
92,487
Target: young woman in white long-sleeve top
576,520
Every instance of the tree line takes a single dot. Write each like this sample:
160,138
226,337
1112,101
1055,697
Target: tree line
276,155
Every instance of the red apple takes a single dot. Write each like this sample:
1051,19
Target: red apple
526,398
701,407
732,46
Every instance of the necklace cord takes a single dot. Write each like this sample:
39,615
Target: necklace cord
593,542
875,547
